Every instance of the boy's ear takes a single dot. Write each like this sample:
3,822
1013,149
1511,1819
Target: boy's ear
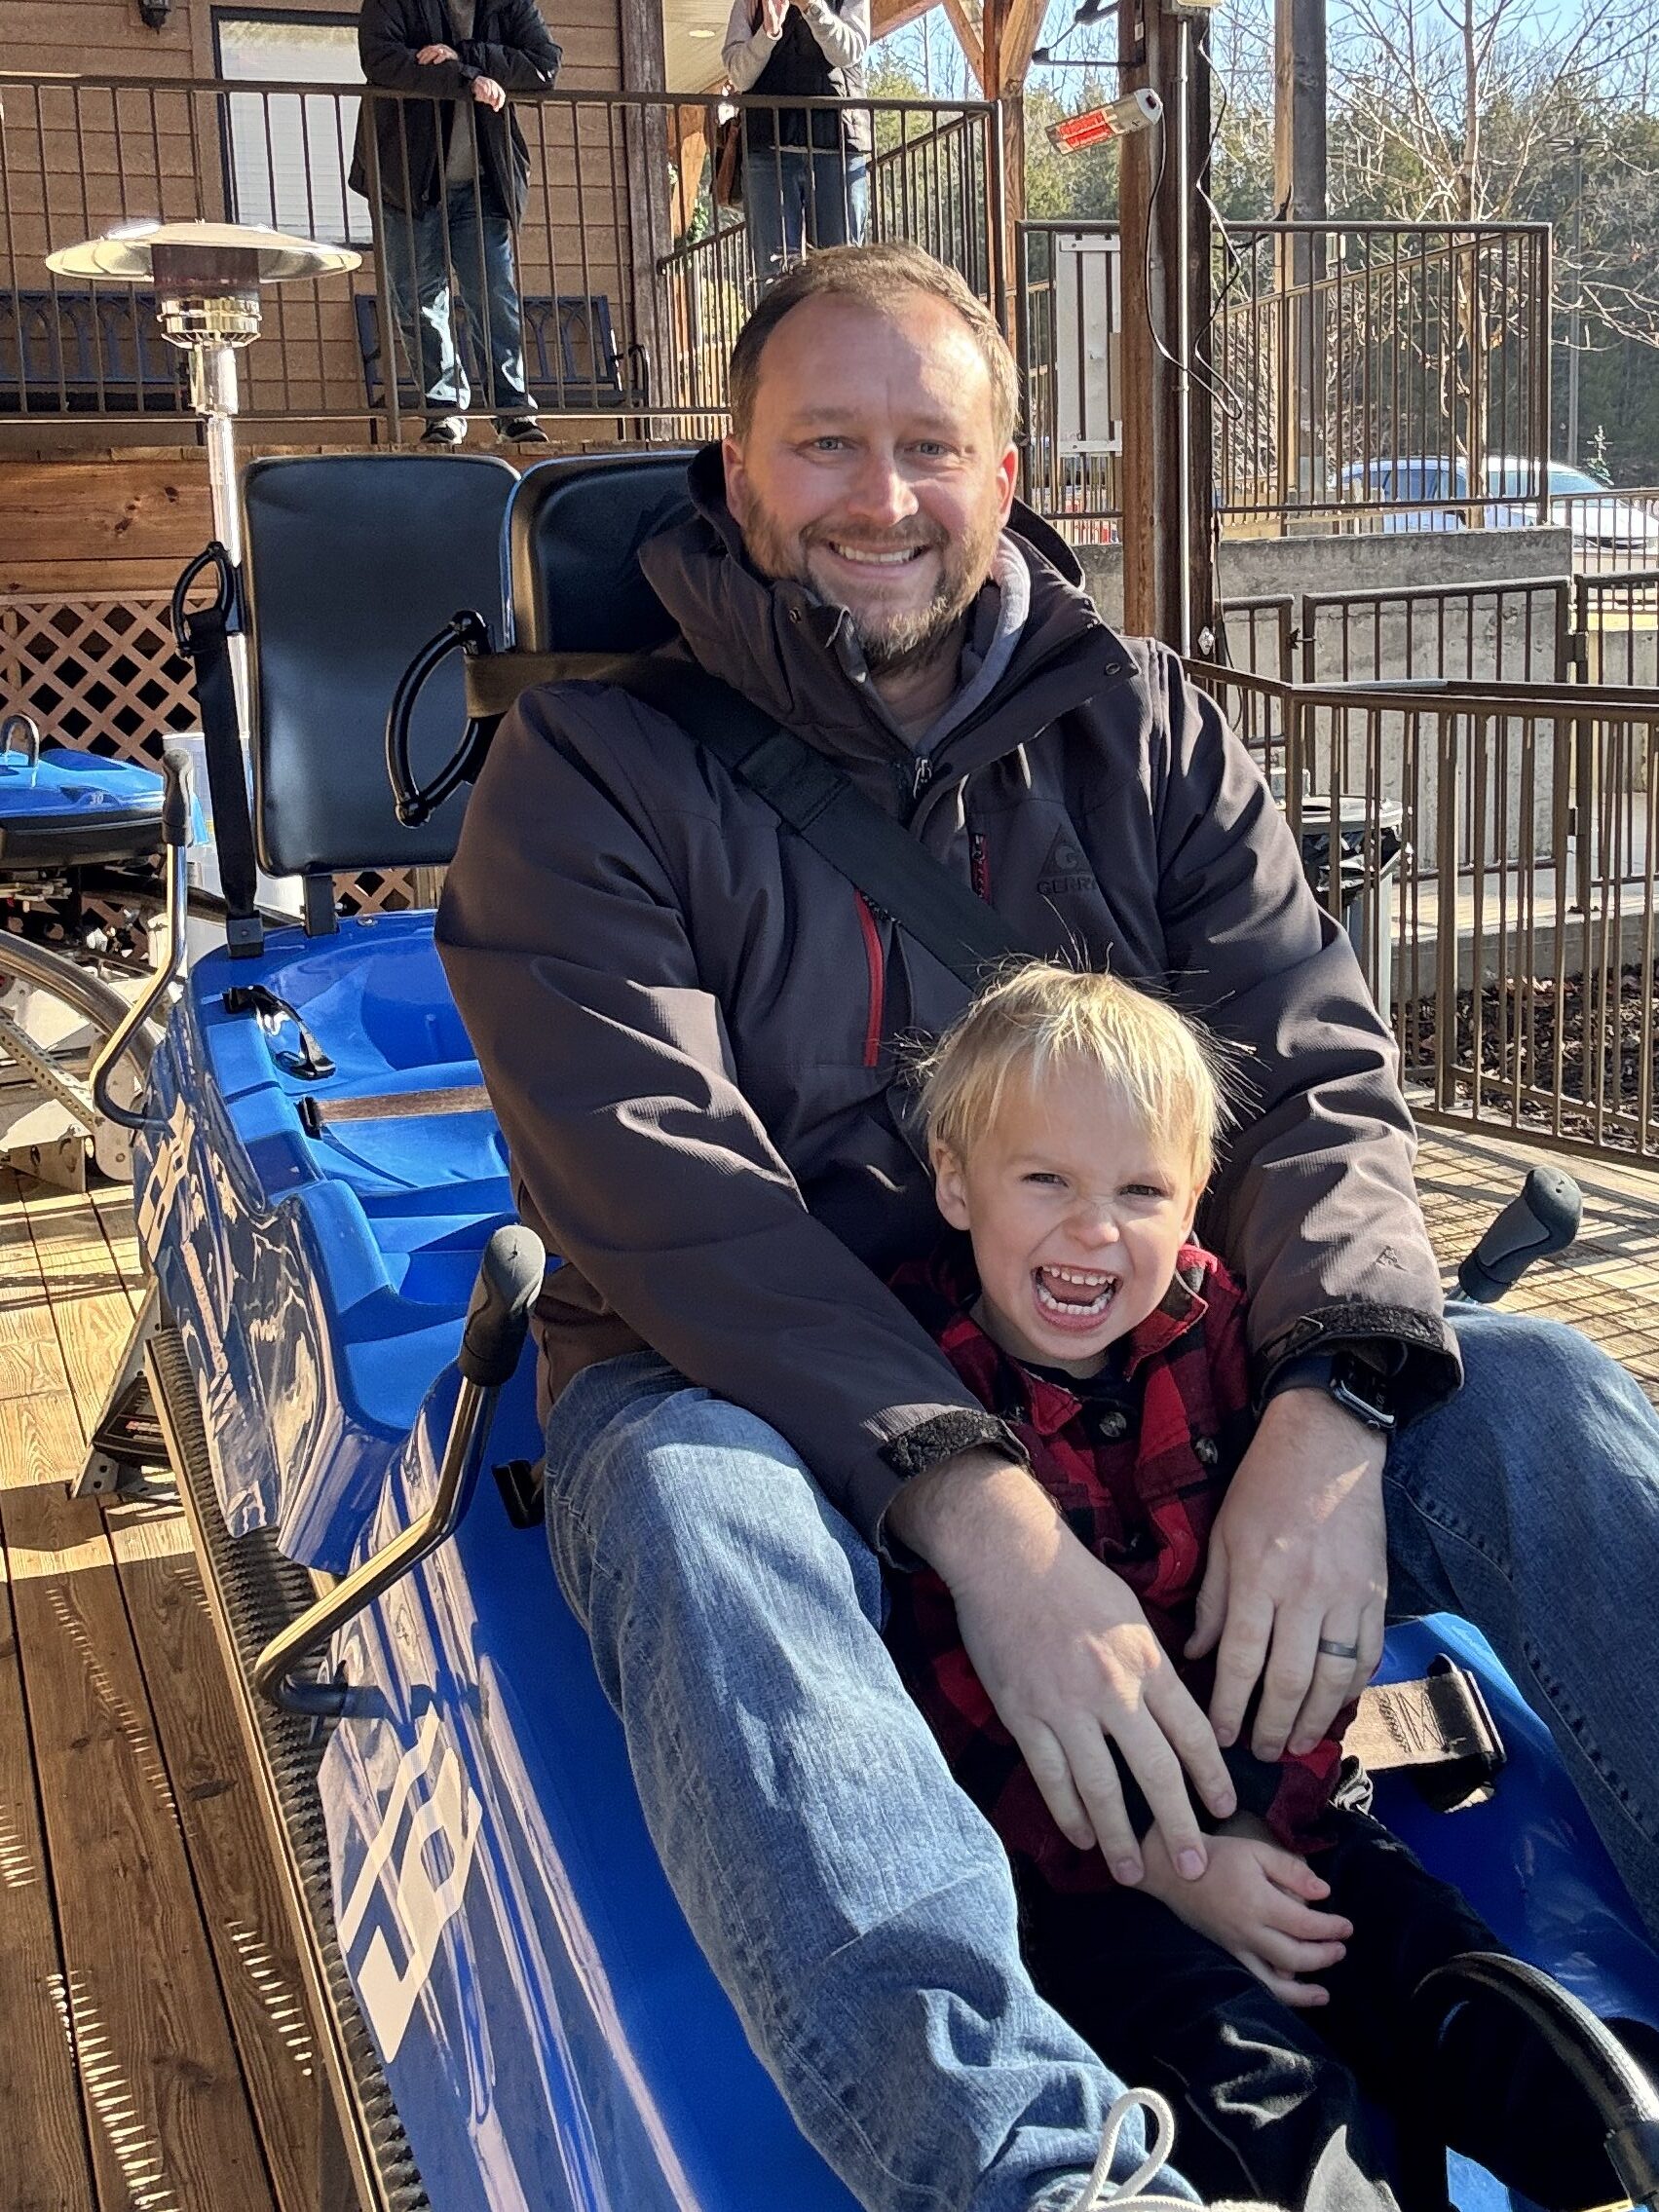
950,1187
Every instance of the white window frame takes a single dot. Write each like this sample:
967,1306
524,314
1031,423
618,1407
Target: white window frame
298,143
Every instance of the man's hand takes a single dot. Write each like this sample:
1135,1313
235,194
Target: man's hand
1259,1902
429,53
1067,1659
1297,1556
488,94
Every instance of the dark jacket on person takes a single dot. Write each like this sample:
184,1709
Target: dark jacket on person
798,64
411,136
692,1026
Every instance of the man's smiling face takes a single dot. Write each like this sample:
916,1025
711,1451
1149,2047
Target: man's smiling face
872,469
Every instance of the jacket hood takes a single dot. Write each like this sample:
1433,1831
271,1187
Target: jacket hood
784,647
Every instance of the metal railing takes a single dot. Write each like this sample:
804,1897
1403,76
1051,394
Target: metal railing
1496,870
1401,369
617,339
933,180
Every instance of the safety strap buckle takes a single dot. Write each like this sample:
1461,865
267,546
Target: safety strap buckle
1437,1728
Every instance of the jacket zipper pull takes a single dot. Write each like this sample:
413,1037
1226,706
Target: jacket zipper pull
923,776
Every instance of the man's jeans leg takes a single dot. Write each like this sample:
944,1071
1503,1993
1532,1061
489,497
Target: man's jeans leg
482,243
417,273
853,1905
1531,1503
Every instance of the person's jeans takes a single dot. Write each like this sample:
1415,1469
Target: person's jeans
795,198
459,246
857,1909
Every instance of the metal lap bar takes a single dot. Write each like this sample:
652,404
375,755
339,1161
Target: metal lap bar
1439,1727
510,1275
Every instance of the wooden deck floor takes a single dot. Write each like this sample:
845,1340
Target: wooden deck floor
157,2052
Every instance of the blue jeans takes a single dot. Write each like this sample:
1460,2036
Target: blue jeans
854,1905
458,245
795,199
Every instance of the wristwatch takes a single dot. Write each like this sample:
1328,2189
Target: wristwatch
1353,1382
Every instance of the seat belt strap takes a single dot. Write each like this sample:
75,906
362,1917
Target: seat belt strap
1438,1727
806,790
202,636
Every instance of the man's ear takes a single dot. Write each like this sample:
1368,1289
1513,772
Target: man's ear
950,1187
737,478
1007,476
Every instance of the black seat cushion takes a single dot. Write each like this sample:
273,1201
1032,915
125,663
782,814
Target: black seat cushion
574,534
352,562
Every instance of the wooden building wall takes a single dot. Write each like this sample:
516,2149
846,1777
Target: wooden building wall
78,155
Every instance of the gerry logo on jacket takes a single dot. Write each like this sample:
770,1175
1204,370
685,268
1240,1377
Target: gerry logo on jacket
1064,870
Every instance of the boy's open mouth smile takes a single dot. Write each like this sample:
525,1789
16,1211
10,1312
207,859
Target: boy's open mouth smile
1073,1297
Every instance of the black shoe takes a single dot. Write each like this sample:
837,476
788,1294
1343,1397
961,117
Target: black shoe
523,429
445,429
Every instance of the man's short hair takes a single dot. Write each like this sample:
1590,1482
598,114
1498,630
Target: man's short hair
880,275
1039,1016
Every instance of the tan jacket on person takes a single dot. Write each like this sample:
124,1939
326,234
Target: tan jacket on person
692,1026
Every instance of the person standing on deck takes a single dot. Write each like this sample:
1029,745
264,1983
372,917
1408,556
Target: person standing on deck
806,170
448,176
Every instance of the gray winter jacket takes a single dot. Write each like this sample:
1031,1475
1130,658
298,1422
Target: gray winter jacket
691,1025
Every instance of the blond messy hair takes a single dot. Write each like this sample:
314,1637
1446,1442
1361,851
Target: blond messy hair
1040,1015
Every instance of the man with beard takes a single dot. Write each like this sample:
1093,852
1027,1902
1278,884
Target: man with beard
693,1029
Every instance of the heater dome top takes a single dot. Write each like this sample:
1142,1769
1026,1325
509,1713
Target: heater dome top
127,255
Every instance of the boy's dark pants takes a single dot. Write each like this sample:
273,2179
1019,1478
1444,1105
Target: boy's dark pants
1262,2091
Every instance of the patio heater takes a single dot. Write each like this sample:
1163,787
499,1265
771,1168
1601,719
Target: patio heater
207,278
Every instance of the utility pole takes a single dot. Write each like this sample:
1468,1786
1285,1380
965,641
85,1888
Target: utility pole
1576,320
1301,195
1169,577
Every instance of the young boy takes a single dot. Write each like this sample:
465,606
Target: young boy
1072,1123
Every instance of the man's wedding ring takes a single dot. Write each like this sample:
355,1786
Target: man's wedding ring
1334,1650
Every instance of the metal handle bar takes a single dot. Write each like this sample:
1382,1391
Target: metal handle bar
1623,2096
416,802
509,1276
175,839
30,729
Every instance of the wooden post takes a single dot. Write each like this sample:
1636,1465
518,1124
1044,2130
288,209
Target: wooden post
1300,193
645,141
1168,431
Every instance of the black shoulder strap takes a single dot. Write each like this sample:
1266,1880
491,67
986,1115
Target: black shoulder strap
877,854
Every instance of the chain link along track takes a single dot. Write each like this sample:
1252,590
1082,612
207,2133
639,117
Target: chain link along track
252,1593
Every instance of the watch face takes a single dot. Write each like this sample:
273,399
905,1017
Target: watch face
1363,1392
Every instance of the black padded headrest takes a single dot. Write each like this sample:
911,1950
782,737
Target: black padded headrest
352,562
573,533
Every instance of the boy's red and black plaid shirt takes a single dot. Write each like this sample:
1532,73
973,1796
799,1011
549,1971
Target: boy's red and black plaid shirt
1137,1460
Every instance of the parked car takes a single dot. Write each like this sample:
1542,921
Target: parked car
1609,530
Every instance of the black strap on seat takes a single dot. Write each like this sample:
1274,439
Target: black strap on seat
877,854
203,637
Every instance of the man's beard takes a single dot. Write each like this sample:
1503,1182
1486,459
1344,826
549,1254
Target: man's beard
905,638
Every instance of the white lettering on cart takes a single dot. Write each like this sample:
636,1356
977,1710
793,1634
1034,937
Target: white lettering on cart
422,1903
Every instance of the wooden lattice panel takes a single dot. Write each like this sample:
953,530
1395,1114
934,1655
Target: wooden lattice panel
103,672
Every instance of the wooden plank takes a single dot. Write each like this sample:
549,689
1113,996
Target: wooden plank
130,509
167,2113
89,1261
43,2147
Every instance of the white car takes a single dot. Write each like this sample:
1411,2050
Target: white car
1609,530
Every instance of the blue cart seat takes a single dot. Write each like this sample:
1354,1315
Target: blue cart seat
75,809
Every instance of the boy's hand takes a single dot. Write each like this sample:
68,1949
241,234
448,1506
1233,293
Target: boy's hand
1259,1902
431,54
1068,1660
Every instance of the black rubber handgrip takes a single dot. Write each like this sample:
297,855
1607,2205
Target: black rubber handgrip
179,772
1544,1219
510,1275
